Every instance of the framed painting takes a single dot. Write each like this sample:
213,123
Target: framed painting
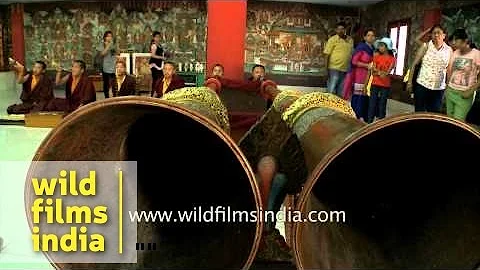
125,57
141,71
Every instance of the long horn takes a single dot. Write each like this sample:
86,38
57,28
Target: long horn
185,136
386,195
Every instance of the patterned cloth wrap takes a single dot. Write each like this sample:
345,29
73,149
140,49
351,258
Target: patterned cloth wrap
310,108
285,98
202,100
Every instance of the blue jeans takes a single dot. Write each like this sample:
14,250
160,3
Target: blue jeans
335,82
427,100
377,105
360,106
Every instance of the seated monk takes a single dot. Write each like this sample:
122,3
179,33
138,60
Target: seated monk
217,70
123,84
79,89
168,82
37,89
258,74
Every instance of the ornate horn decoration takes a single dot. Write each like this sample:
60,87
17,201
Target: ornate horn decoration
386,195
185,159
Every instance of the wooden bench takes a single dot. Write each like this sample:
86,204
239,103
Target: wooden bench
43,119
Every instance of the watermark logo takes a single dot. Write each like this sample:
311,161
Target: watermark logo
77,210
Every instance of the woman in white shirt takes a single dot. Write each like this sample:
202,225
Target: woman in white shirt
431,81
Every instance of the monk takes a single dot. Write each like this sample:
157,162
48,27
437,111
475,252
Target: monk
123,84
79,89
168,82
258,74
217,70
37,89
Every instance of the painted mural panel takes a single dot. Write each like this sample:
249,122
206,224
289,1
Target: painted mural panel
467,17
141,70
289,38
62,34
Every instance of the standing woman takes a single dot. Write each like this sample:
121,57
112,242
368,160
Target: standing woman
157,56
356,77
463,71
431,81
106,55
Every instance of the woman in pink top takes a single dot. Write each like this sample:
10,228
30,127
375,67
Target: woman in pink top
354,82
463,74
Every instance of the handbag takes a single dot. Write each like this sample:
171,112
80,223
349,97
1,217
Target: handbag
368,83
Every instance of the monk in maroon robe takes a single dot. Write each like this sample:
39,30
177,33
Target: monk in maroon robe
123,84
217,70
168,82
79,89
37,89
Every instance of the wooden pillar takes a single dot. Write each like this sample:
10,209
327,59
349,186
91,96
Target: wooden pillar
227,25
18,37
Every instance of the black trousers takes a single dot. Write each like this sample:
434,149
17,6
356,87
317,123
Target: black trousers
156,74
473,116
107,79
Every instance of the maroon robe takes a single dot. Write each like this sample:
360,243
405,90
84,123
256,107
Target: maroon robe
240,85
128,87
34,100
250,85
83,94
176,83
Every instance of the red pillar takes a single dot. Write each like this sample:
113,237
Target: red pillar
227,25
431,17
18,38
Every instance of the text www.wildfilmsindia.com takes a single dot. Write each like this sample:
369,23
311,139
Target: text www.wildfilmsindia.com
226,214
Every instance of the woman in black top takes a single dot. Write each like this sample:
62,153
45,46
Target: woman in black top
157,56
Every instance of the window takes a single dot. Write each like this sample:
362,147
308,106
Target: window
399,36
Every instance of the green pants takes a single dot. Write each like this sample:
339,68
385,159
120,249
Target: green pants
457,106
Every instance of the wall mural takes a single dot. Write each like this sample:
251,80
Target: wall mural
61,35
289,39
466,17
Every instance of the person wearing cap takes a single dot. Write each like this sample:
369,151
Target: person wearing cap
383,64
463,73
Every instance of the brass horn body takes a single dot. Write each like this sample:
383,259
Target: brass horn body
200,165
396,194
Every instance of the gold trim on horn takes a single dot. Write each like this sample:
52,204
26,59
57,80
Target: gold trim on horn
285,98
204,101
316,100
